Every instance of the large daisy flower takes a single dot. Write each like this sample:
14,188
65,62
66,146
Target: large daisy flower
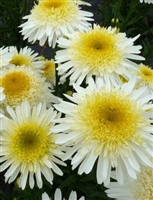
21,83
58,196
146,1
145,77
28,145
51,19
138,189
98,51
110,124
25,57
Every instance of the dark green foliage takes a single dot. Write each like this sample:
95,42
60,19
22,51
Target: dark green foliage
11,13
133,18
85,185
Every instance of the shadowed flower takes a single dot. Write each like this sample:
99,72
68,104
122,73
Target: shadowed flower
28,145
145,77
51,19
110,124
99,51
49,71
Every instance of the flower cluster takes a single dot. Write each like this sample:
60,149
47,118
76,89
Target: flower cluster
104,122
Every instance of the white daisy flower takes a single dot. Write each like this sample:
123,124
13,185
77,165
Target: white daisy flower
145,77
5,56
25,57
138,189
98,51
110,124
28,145
58,196
22,83
51,19
146,1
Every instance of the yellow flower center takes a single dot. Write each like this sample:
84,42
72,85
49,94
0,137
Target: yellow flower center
96,50
22,84
110,119
146,74
143,188
30,142
15,83
55,12
52,4
19,60
49,70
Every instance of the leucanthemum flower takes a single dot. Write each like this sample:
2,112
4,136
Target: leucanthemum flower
28,145
138,189
22,83
110,124
51,19
58,196
25,57
5,56
98,51
146,1
145,77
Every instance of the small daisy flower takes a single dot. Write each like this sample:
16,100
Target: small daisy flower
22,83
28,145
110,124
138,189
49,71
145,77
25,57
146,1
5,56
51,19
58,196
98,51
